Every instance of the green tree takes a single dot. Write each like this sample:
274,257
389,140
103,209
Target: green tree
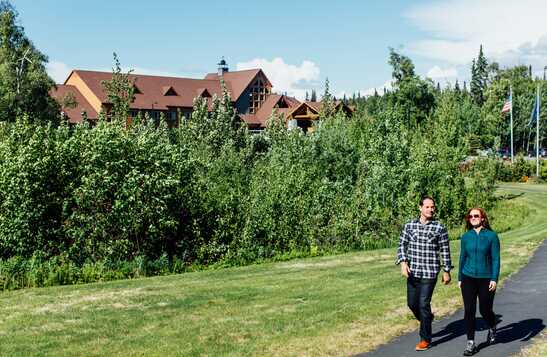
479,77
24,82
120,91
402,67
313,96
328,106
413,97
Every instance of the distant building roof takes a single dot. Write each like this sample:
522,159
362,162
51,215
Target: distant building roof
237,81
74,114
154,92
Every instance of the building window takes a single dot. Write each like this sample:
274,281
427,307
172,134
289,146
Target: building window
257,95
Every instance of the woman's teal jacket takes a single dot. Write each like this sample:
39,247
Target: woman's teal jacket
480,255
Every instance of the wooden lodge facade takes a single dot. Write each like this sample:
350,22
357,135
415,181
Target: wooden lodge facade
250,92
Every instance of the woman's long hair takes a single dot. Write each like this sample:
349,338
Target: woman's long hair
485,222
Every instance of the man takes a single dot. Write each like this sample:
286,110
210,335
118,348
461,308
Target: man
420,244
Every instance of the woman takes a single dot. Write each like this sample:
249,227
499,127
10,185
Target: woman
478,274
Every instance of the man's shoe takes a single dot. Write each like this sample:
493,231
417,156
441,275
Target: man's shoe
470,349
491,338
423,345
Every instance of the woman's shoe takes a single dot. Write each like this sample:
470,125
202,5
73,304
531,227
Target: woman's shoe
470,349
491,338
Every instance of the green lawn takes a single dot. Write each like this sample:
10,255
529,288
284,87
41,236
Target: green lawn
334,305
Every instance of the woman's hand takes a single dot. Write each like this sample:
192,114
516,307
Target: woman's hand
459,284
492,286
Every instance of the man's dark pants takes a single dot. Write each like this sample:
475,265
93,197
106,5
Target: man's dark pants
418,294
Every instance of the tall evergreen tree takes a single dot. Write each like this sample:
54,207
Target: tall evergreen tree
479,77
457,87
24,82
313,96
327,102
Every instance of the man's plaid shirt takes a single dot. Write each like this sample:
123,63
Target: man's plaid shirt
420,245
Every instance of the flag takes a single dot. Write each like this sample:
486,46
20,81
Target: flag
534,115
507,105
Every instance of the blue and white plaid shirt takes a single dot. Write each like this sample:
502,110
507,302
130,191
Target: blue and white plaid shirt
420,246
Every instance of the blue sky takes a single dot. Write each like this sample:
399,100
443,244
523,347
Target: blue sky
297,43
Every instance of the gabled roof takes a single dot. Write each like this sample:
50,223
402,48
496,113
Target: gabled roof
337,105
74,114
309,107
151,87
238,81
267,107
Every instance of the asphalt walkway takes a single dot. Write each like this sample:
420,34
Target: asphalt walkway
521,305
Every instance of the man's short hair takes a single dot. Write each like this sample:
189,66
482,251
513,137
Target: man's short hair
426,197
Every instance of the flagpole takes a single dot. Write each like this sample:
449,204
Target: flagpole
537,133
511,114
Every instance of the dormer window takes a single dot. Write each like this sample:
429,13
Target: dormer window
282,103
204,93
169,91
136,89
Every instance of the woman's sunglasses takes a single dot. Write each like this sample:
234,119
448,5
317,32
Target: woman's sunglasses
474,216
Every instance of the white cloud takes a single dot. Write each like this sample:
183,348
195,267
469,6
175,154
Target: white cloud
286,77
59,71
388,85
509,30
438,73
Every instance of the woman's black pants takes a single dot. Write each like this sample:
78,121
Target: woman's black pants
471,289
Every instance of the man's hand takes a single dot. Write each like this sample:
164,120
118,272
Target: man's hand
492,286
459,284
405,270
446,278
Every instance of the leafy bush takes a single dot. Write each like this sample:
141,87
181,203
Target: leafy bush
80,204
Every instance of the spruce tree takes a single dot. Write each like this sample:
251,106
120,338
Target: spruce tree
327,103
313,96
479,77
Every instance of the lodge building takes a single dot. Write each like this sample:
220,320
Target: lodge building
250,93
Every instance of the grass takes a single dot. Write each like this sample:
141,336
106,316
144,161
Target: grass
538,347
336,305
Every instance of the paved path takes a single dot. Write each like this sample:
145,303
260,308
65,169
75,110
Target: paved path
521,305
